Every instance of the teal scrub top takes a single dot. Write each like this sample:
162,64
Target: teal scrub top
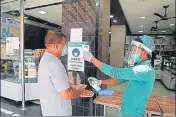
140,85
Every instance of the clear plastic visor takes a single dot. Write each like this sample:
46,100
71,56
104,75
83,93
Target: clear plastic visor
130,58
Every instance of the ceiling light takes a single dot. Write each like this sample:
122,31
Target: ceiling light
171,24
140,31
141,26
42,12
114,21
143,17
163,31
109,32
111,16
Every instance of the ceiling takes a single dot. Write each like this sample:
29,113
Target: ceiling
134,9
53,11
53,14
128,14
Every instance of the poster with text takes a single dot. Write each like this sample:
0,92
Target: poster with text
75,56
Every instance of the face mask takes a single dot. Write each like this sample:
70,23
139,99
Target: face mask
64,50
136,58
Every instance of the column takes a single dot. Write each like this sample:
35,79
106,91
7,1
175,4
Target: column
117,53
82,14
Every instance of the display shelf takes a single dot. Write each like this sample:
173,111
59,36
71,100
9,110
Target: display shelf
167,50
13,90
169,73
165,44
15,79
164,55
9,58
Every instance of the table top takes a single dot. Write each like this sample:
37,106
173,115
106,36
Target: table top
166,103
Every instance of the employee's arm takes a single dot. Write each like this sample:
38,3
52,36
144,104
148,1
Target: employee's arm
113,81
133,73
96,62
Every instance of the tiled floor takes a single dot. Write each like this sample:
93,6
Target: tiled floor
159,90
83,107
13,109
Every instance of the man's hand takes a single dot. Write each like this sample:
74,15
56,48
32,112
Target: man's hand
80,87
87,55
86,93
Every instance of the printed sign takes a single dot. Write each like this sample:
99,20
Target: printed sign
75,56
76,35
9,47
15,41
12,43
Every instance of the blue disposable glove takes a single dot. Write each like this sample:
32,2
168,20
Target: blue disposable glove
105,92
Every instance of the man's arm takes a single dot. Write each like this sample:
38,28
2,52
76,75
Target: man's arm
70,93
60,81
77,87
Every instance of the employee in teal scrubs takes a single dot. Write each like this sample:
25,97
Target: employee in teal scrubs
137,71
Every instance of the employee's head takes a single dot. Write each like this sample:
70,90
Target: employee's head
140,50
55,43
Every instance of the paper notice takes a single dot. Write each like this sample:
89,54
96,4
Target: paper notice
16,43
76,35
9,49
14,40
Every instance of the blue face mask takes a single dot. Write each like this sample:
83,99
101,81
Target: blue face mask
136,58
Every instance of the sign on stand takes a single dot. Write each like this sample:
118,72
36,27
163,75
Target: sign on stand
75,56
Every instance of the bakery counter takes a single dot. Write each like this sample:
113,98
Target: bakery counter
156,105
11,89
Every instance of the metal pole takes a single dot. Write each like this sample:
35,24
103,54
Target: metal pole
95,109
104,110
22,52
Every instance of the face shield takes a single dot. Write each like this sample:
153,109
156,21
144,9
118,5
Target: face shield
132,57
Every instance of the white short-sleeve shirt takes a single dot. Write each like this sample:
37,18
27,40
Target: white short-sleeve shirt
52,78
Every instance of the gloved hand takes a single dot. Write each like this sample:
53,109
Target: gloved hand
93,81
87,55
105,92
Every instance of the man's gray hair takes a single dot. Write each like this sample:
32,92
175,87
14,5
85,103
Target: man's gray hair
53,37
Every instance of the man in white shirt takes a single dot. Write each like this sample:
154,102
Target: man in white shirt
55,90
